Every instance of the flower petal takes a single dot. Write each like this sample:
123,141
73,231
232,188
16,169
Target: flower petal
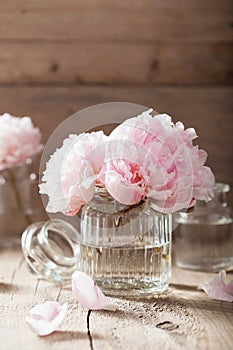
217,289
88,293
45,318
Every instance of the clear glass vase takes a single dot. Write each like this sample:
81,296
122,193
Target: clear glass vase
20,203
127,249
204,236
124,247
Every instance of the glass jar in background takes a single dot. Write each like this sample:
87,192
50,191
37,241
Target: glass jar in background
20,202
204,236
125,248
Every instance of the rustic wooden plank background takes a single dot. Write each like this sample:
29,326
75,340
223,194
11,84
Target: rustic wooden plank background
59,56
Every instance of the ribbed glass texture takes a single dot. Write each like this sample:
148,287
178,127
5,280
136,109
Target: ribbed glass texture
126,248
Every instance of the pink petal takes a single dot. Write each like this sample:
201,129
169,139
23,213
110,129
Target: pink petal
104,303
88,293
217,289
45,318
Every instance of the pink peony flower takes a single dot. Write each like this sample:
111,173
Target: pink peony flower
180,176
203,178
217,289
88,294
130,173
125,182
45,318
72,172
19,140
146,156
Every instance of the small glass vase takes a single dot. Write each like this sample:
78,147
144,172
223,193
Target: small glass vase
127,249
204,236
20,203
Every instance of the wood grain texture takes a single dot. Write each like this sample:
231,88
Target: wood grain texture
116,63
209,110
108,20
178,319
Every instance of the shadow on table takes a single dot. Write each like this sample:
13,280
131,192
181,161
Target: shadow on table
61,336
185,287
7,288
178,299
197,299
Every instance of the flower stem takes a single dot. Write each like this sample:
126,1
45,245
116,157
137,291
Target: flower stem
17,196
88,329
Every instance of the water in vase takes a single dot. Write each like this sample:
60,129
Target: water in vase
117,270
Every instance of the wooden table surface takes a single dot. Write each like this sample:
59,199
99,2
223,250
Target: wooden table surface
181,318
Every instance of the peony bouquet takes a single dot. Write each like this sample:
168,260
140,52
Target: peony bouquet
146,156
19,141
